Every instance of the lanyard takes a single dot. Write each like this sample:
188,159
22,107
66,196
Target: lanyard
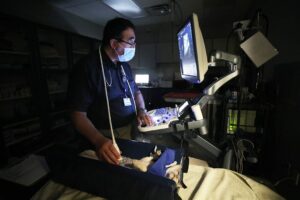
124,79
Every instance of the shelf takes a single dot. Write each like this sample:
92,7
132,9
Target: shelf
37,151
55,69
15,98
42,69
14,70
10,125
82,52
58,112
58,92
23,138
50,57
21,53
60,125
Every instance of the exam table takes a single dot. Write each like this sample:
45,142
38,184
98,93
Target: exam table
202,181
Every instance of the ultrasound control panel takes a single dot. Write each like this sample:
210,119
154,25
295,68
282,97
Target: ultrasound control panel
161,117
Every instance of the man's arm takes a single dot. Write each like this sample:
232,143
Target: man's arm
104,146
142,116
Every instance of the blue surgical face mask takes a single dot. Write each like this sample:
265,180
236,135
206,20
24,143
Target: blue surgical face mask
128,55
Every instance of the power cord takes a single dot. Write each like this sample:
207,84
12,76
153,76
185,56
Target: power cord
242,146
293,176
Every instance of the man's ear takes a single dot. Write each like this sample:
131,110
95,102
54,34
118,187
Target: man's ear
113,43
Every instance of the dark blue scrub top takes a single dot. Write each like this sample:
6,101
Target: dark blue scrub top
86,91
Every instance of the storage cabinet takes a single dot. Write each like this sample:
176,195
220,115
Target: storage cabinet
19,113
55,71
81,46
35,63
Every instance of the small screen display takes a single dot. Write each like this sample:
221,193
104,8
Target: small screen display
142,79
187,51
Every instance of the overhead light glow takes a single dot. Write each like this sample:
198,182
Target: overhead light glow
127,8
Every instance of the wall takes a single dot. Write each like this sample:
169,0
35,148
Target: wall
284,29
281,76
283,32
43,13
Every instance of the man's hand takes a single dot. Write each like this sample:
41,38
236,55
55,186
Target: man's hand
106,151
143,118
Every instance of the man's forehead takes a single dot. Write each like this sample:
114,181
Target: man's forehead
128,34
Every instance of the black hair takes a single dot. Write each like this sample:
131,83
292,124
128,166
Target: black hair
114,28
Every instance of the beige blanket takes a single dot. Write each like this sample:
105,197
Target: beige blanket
202,182
221,184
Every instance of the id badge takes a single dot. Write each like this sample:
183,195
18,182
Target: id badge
127,101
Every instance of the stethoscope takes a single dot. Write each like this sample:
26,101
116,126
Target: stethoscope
124,80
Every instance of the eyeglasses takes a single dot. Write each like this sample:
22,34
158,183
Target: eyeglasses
131,42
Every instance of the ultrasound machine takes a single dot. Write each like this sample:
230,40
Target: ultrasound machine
193,67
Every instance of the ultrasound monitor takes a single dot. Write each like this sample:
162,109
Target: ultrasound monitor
192,52
193,67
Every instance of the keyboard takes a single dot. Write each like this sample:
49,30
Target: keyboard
161,117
